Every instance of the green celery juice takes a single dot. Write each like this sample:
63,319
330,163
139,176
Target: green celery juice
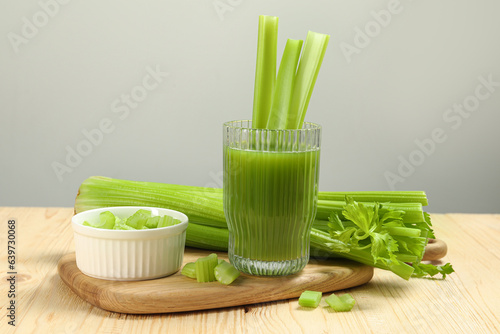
270,204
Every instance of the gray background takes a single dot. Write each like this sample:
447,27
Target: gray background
65,76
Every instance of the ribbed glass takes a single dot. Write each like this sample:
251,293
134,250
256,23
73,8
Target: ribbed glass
270,193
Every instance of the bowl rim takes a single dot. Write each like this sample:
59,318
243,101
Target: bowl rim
156,233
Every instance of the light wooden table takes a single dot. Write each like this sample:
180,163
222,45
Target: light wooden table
468,301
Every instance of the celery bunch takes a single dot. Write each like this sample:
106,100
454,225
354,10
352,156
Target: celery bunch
362,234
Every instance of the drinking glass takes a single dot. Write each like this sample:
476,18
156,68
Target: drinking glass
270,196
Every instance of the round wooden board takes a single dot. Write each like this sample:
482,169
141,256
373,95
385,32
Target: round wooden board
177,293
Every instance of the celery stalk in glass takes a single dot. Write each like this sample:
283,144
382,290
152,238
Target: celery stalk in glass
284,85
309,66
265,73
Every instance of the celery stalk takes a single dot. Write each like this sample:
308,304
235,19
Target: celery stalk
265,73
321,245
376,196
309,65
284,85
206,237
413,211
97,192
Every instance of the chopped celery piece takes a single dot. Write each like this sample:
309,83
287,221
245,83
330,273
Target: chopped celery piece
343,303
265,73
284,85
138,219
165,221
205,268
123,227
107,220
309,65
225,273
152,222
189,270
168,221
310,298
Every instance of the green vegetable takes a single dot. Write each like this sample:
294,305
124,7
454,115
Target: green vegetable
378,237
413,211
106,220
265,73
203,204
204,268
140,220
189,270
423,269
377,196
282,103
343,303
123,226
207,237
310,299
310,63
166,221
152,222
207,228
225,273
285,83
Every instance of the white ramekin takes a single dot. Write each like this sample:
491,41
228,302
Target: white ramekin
125,255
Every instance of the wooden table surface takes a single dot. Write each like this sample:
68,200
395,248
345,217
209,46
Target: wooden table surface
468,301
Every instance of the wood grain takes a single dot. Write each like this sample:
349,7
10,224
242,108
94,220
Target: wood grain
177,293
468,301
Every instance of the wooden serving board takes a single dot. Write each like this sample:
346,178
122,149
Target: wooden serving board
177,293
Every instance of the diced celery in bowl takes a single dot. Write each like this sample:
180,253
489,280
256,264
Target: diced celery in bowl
129,243
142,219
